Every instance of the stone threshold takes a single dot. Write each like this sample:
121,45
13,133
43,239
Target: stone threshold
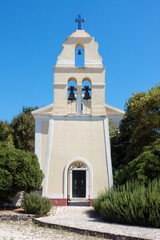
78,202
78,199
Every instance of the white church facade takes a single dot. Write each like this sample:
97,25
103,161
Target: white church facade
72,134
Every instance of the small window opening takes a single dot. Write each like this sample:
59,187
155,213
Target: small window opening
79,57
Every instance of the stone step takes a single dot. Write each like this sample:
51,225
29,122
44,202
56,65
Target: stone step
78,202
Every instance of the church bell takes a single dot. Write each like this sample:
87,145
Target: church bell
79,52
86,95
71,94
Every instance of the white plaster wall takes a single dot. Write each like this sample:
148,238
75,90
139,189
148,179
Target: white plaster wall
74,139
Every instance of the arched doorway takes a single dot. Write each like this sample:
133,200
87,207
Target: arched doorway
78,179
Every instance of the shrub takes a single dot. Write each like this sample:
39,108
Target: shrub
97,202
36,204
19,171
132,203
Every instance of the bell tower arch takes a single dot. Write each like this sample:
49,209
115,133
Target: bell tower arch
79,55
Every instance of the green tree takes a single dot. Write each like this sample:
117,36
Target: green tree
19,171
5,133
113,128
140,127
147,165
23,130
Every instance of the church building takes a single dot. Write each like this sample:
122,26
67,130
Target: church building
72,134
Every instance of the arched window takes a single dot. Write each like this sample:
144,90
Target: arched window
72,89
79,55
86,89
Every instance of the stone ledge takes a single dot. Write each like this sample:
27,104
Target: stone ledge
86,231
16,217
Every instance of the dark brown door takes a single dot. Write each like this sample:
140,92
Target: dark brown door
79,183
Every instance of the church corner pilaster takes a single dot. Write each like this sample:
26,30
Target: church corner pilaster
38,139
108,152
48,154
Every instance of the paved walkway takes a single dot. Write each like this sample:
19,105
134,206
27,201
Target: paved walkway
26,230
84,218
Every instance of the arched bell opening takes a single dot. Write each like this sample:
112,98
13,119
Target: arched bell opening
72,96
72,89
86,96
79,55
86,89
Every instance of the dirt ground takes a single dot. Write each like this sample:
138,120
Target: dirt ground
21,230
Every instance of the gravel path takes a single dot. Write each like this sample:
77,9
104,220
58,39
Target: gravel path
83,218
21,230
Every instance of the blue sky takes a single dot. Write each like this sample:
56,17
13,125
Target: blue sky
31,37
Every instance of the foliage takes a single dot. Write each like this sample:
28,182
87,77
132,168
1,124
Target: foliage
132,203
97,201
19,171
140,127
113,129
147,165
120,175
36,204
23,130
5,133
143,168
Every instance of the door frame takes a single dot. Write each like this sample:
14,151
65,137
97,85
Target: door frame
66,180
71,175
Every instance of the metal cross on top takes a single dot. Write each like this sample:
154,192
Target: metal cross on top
80,20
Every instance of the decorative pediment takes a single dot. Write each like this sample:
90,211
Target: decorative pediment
90,47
